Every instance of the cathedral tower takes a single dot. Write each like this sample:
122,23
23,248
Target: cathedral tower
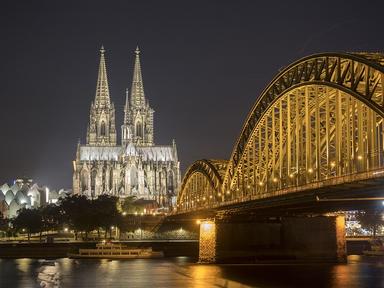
101,129
137,167
138,118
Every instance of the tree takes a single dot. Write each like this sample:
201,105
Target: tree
51,216
108,213
4,224
29,219
128,206
371,220
76,213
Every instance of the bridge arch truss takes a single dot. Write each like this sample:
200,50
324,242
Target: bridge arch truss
319,121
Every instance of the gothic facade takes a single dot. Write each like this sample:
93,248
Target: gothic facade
137,167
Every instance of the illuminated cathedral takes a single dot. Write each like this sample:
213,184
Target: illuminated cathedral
136,167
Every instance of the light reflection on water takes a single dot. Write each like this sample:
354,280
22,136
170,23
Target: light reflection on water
182,272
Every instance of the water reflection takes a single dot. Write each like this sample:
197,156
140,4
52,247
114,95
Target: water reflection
183,272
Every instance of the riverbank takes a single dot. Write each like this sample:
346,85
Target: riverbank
171,248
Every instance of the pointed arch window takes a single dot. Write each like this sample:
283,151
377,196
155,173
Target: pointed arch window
84,180
102,128
93,180
139,129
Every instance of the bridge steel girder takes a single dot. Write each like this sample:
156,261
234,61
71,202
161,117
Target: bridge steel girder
209,170
315,94
359,75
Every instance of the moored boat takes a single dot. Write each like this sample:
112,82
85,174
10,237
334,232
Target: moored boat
116,251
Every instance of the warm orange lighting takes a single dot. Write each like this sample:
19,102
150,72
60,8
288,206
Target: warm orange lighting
198,222
310,170
275,179
207,226
261,183
360,157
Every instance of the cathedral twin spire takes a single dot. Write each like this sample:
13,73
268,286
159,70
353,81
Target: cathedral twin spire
102,88
138,117
137,89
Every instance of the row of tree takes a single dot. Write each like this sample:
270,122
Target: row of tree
75,212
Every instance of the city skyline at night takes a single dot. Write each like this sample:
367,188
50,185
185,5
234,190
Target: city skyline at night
206,64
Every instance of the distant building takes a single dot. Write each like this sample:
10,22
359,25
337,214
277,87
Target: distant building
137,167
26,194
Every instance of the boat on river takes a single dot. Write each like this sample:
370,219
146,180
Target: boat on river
116,251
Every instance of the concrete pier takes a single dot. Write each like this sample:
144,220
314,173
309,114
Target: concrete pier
320,239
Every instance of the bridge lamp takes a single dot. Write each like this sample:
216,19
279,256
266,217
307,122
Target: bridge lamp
360,157
124,213
275,179
204,198
310,170
333,164
261,183
210,196
291,175
228,192
198,222
248,186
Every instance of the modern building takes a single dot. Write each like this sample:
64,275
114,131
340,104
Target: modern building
24,193
136,167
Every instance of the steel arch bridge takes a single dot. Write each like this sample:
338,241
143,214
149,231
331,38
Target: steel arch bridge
319,122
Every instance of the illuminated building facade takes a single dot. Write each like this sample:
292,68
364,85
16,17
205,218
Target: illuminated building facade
137,167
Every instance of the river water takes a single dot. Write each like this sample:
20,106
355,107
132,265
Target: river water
183,272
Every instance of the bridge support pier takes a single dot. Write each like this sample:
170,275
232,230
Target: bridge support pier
320,238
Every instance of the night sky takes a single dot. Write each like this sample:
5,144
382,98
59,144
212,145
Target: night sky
204,64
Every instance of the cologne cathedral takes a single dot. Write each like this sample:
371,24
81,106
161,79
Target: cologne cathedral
137,167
